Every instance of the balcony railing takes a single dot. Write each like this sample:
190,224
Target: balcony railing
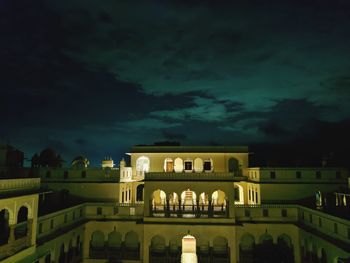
19,184
189,211
210,176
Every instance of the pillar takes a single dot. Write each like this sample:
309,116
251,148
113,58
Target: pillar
12,234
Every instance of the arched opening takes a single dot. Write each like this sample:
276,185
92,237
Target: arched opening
157,249
284,249
323,256
233,165
203,249
208,165
158,199
22,222
78,246
218,199
97,245
168,165
318,197
114,240
114,244
174,250
238,194
246,249
4,226
266,239
188,203
188,166
221,249
70,251
265,251
62,255
142,165
173,202
48,258
198,165
178,165
132,246
139,192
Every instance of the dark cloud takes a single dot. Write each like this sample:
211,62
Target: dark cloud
92,79
170,135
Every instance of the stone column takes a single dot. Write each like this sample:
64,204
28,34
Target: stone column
12,234
29,231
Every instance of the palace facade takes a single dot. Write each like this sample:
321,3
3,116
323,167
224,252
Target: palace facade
141,211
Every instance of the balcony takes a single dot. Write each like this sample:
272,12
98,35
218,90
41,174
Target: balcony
190,211
210,176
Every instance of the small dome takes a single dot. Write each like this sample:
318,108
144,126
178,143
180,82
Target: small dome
80,162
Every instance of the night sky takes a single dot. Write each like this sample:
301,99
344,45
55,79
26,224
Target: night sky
96,77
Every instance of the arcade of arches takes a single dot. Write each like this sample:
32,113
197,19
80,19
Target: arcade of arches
179,165
189,204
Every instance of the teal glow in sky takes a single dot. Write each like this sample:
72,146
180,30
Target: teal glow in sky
92,78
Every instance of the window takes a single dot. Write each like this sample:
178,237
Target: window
48,174
320,222
40,228
81,212
265,212
99,211
298,174
122,197
51,224
249,195
247,212
256,197
310,218
337,174
207,165
335,228
65,218
318,174
272,175
83,174
188,166
284,212
302,215
116,210
65,174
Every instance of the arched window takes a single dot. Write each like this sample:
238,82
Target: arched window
62,256
158,244
131,240
178,165
220,245
238,194
139,192
233,165
4,226
22,227
219,198
97,239
208,165
142,165
188,165
114,240
198,165
188,198
168,165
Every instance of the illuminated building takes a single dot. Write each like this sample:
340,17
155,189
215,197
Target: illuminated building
142,212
